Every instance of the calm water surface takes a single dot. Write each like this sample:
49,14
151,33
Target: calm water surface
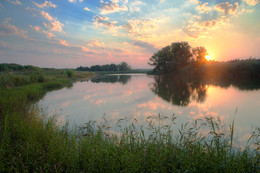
141,96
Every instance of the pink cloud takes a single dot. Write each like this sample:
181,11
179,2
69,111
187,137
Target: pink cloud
87,9
151,105
63,42
47,15
100,101
111,7
7,29
15,2
84,49
38,29
95,43
45,4
54,26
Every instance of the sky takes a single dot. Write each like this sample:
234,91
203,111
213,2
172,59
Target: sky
72,33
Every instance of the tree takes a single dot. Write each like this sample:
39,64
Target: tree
123,66
172,58
113,67
199,54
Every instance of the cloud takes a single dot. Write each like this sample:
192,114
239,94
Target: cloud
74,1
48,34
103,22
145,45
87,9
47,15
15,2
251,2
54,26
111,7
100,101
84,49
63,42
194,1
139,26
152,105
1,6
45,4
204,8
136,2
227,8
135,6
95,43
38,29
35,28
196,29
6,29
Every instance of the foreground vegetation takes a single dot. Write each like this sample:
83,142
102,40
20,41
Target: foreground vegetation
31,142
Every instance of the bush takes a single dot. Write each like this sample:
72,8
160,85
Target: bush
69,73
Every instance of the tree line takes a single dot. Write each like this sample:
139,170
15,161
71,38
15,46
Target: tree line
123,66
16,67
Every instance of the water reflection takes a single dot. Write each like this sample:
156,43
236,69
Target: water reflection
178,92
142,96
182,91
123,79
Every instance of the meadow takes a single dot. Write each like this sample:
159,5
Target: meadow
32,142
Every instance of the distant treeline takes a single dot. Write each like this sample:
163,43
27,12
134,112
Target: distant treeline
17,67
123,66
248,69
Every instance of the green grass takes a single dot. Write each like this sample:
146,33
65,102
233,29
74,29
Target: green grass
31,142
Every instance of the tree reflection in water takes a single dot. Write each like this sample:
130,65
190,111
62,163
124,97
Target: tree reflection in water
123,79
178,92
182,90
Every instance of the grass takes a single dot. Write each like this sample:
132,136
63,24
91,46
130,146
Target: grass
31,142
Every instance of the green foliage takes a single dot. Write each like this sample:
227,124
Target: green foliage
69,73
123,66
172,58
17,67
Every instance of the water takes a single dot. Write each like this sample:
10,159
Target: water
140,96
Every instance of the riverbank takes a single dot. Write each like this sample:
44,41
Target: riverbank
31,142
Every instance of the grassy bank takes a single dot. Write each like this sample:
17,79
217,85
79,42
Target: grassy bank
31,142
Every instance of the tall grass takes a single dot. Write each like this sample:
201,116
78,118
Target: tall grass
37,144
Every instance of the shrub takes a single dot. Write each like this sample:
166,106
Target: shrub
69,73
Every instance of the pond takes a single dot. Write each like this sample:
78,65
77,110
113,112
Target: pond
140,96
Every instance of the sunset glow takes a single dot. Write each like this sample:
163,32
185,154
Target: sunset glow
71,33
208,57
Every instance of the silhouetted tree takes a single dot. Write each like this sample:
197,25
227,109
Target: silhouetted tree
123,66
172,58
199,54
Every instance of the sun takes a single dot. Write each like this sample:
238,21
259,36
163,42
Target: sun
208,57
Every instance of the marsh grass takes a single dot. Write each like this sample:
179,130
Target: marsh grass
32,142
